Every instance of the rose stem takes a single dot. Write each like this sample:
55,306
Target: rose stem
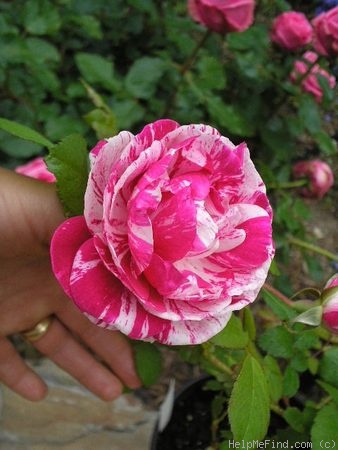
288,185
313,248
278,294
183,69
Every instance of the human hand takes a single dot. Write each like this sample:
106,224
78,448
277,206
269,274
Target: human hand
101,360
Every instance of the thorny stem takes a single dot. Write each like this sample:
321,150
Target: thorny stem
278,294
313,248
186,66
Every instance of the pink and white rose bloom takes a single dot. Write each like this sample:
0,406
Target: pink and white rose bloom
330,304
319,175
310,82
291,30
223,16
326,32
36,169
176,234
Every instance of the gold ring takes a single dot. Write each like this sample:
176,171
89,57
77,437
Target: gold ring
40,329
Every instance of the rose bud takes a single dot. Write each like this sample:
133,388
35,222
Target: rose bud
36,169
330,304
319,175
291,30
310,82
223,16
325,28
176,234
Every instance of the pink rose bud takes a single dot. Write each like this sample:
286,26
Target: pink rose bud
330,304
319,174
223,15
310,82
325,28
291,30
36,169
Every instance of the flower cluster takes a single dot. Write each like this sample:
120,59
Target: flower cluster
309,73
292,31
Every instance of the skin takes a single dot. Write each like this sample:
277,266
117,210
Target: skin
101,360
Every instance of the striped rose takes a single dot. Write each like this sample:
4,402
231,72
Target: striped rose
176,234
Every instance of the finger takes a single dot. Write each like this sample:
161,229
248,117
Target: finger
61,347
109,345
15,374
115,350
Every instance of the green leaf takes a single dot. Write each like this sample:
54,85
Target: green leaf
306,340
143,76
326,144
277,342
43,51
249,410
127,113
328,366
58,127
331,390
249,323
17,148
313,365
291,382
274,378
309,114
148,362
24,132
299,361
313,316
102,122
282,311
232,336
96,69
255,38
68,160
90,25
324,433
294,417
211,73
41,17
229,117
328,91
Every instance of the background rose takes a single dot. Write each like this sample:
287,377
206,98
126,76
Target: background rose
319,174
310,81
291,30
36,169
176,234
223,15
330,304
326,32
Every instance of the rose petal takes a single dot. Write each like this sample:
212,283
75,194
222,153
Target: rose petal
193,332
105,300
105,158
67,238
